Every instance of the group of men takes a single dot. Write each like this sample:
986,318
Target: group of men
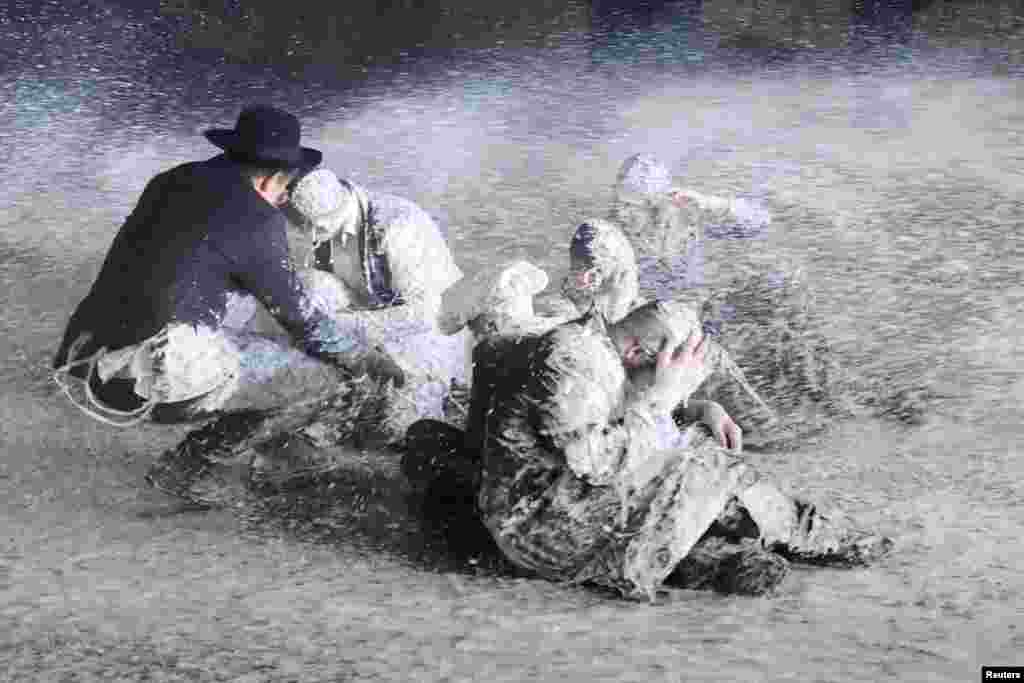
588,459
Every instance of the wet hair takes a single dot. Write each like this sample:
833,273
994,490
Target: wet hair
646,324
643,175
600,244
253,171
297,175
581,248
654,322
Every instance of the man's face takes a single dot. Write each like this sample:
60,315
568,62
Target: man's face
279,189
582,282
274,188
637,355
639,363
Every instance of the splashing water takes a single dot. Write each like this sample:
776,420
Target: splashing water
894,183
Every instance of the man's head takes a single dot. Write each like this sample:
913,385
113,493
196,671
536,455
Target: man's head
326,206
492,299
642,176
270,182
654,326
265,143
602,269
651,210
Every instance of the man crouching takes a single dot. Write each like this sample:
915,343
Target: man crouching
156,339
585,477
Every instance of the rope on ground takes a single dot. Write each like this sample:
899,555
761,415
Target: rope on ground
92,405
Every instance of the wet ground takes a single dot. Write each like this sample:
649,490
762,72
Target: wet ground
887,146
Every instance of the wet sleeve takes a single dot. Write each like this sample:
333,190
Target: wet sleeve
586,415
745,218
268,273
422,265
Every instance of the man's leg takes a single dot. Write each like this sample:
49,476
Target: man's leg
435,457
445,478
741,567
797,530
279,391
730,558
710,491
708,520
271,376
791,527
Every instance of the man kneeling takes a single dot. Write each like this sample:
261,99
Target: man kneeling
584,476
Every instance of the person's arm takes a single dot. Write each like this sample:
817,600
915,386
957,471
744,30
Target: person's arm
420,262
553,304
726,432
748,216
587,413
266,271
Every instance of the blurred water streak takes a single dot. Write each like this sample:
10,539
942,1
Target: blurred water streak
884,137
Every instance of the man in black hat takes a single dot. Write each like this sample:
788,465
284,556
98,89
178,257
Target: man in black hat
151,338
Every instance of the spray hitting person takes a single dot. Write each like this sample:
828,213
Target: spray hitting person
765,318
580,473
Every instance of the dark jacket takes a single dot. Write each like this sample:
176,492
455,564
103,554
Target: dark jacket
198,232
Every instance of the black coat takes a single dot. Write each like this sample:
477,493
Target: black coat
198,232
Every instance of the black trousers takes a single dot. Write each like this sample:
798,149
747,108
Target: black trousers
435,458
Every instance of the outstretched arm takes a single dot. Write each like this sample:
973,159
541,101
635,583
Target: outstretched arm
720,211
269,274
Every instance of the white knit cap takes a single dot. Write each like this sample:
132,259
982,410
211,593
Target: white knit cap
642,176
326,204
508,289
601,244
679,316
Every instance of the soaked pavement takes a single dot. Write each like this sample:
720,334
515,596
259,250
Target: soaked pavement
885,138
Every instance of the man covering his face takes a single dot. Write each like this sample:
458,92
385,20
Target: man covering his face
583,477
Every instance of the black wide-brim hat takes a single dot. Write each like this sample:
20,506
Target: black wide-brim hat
265,134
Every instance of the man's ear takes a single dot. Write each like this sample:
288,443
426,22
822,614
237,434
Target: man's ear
265,183
632,353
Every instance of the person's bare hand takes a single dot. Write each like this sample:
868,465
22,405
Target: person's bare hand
725,430
678,198
687,356
383,368
679,370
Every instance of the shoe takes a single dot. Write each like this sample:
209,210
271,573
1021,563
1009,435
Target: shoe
752,570
826,544
735,568
176,471
288,463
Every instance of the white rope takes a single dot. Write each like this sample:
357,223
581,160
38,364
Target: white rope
93,406
733,370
